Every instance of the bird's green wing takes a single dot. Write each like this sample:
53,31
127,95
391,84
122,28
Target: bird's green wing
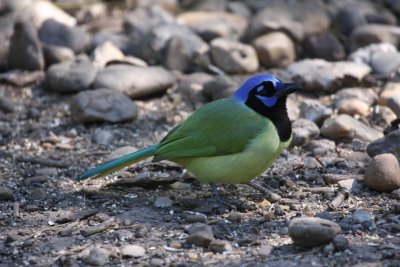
221,127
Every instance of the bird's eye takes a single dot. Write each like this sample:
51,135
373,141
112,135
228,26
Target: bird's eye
265,89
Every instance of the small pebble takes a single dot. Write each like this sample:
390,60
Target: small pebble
97,257
163,202
156,262
38,193
133,251
194,218
235,217
265,251
6,194
200,239
340,243
220,246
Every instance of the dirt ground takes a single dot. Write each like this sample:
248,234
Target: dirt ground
42,151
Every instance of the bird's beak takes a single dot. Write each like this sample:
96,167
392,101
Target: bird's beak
287,89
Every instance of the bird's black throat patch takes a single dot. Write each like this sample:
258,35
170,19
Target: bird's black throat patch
277,114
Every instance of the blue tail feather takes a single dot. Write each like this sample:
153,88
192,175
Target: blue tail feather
117,164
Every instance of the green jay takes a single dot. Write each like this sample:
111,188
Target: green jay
231,140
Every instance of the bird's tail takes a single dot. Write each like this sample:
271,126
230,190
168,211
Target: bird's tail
117,164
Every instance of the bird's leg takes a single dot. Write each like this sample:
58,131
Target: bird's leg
220,198
271,196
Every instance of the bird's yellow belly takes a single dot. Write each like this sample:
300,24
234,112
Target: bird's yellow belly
240,167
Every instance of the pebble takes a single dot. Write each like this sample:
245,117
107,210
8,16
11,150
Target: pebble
303,131
275,50
191,87
6,194
390,143
383,173
38,193
314,110
54,54
132,251
200,239
366,95
264,251
105,53
374,33
320,75
395,194
157,262
235,217
220,246
40,11
134,81
390,90
351,185
196,218
97,257
102,105
344,126
233,57
102,137
199,227
325,46
394,104
163,202
311,231
53,32
6,105
353,107
25,50
340,243
362,217
213,24
70,76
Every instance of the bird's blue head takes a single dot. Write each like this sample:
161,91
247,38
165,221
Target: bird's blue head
264,89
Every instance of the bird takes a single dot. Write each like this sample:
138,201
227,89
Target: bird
227,141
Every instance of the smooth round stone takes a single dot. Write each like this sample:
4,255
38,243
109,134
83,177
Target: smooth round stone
383,173
97,257
311,231
133,251
353,107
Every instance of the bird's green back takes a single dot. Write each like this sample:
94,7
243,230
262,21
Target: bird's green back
222,127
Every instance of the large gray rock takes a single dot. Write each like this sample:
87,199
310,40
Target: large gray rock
275,50
310,232
53,32
383,173
383,58
374,33
233,57
102,105
210,25
134,81
344,126
318,74
70,76
25,49
390,143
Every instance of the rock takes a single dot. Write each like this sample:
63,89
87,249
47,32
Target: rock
362,217
325,46
106,52
275,50
239,8
394,104
157,262
390,143
235,217
212,24
318,74
6,194
178,54
199,227
53,32
132,251
120,40
151,47
102,105
134,81
321,147
395,194
191,87
219,87
130,60
97,257
163,202
6,105
195,218
38,193
303,131
348,127
200,239
264,251
314,110
54,54
353,107
366,95
220,246
383,58
102,137
25,50
391,90
383,116
311,231
70,76
374,33
351,185
41,10
140,21
297,19
340,243
233,57
383,173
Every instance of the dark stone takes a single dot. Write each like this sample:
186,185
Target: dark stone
325,46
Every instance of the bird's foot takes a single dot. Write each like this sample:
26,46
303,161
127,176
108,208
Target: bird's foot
222,199
270,196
